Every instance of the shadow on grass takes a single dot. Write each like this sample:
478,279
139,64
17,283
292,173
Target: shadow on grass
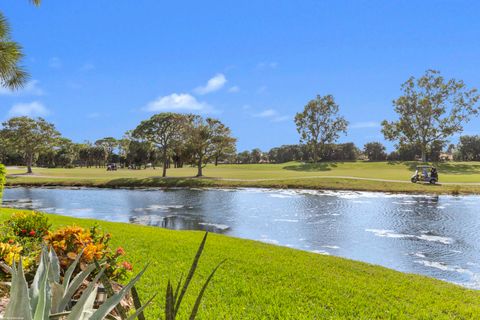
443,167
311,167
159,182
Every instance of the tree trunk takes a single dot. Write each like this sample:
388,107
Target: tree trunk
424,154
165,162
199,172
29,163
216,161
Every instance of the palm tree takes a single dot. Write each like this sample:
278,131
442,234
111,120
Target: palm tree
12,74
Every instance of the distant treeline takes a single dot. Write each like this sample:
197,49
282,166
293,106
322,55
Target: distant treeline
468,149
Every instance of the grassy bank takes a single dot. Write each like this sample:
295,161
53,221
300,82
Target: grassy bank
262,281
455,177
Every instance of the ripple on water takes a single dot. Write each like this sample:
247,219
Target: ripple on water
424,237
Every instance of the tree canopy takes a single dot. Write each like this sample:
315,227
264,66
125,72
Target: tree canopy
431,109
29,137
320,124
161,130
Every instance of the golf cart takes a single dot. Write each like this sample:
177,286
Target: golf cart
425,174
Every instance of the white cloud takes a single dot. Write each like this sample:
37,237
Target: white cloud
272,115
266,113
214,84
364,125
32,109
234,89
271,65
30,88
55,63
178,102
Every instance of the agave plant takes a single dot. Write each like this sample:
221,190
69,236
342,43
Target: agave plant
174,300
47,298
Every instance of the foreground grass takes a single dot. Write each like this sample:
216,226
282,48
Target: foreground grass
262,281
458,177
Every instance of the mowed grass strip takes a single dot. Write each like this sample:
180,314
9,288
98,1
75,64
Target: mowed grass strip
262,281
460,177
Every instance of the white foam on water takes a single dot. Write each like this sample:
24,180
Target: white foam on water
159,207
285,220
419,254
444,240
215,225
443,266
388,233
331,247
424,237
280,196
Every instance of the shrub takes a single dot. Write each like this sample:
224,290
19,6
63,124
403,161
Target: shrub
33,225
3,173
10,252
69,242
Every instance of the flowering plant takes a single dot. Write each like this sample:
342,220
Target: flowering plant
10,252
34,225
70,241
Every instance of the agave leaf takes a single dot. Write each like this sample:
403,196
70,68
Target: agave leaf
54,274
79,308
140,310
190,273
42,310
202,291
70,270
169,303
35,286
88,306
178,288
137,303
19,306
59,315
57,295
72,288
111,302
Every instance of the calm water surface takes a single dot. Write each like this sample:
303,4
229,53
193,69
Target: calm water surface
437,236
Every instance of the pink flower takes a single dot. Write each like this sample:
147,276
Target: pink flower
127,265
120,251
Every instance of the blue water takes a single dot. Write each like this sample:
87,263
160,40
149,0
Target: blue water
435,236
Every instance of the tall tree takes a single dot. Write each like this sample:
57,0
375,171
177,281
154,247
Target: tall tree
430,110
29,137
161,130
375,151
223,142
201,135
320,124
256,155
469,148
108,144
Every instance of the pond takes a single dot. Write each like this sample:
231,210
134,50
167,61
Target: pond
437,236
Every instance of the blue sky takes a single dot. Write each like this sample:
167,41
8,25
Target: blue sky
99,67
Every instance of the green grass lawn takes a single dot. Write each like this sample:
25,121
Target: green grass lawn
328,175
262,281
